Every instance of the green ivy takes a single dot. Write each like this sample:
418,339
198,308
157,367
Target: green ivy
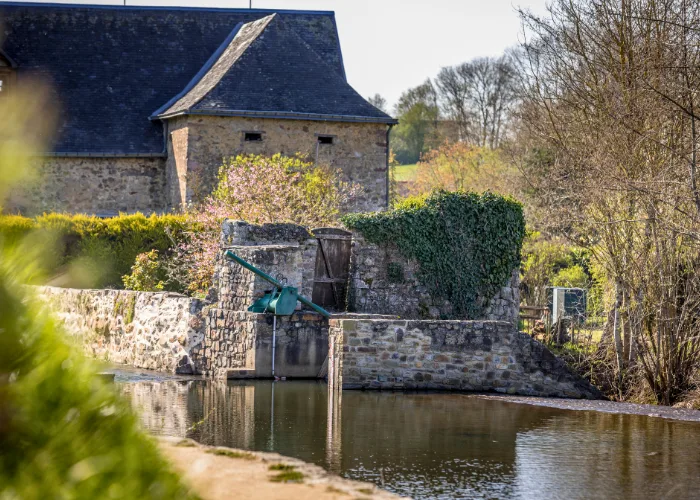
394,272
466,244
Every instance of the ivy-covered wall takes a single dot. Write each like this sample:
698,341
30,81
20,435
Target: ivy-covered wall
383,281
445,256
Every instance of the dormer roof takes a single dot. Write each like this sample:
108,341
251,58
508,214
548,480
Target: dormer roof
266,69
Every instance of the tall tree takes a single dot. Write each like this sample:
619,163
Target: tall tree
417,131
478,95
613,94
378,102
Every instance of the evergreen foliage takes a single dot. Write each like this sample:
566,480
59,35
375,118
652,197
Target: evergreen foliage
466,244
106,247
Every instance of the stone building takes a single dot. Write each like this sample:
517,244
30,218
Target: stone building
152,99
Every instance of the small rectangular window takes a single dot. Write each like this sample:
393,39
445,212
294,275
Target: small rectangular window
253,136
325,139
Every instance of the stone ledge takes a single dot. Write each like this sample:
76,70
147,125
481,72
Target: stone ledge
221,473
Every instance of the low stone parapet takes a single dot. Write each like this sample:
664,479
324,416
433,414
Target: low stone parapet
176,334
156,331
447,355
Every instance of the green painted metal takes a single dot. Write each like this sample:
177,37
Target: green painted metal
282,300
285,301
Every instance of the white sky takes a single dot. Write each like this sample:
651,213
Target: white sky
391,45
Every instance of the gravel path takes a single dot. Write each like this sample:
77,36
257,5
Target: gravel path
601,406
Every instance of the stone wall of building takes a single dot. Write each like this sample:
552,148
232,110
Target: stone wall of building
451,355
91,185
382,281
359,150
176,193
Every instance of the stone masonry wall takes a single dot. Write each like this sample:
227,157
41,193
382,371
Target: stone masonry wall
217,337
157,331
359,150
238,344
375,289
280,250
453,355
102,186
176,193
176,334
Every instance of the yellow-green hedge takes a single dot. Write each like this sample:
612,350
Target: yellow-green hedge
103,248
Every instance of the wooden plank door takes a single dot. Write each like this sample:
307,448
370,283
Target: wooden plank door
332,267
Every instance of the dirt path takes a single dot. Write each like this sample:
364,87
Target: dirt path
224,473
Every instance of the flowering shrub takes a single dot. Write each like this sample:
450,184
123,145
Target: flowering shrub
146,274
259,190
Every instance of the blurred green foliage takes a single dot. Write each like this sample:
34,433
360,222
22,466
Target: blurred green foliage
94,252
64,432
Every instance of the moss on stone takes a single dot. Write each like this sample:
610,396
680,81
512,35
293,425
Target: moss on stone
231,454
118,307
130,309
282,467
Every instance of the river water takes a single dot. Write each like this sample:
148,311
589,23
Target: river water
431,445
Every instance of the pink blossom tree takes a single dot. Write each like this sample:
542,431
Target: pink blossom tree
258,189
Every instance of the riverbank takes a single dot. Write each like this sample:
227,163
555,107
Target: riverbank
614,407
216,473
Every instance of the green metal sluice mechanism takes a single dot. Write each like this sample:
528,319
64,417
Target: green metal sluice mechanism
280,301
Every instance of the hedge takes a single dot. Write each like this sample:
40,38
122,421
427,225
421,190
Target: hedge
89,251
466,244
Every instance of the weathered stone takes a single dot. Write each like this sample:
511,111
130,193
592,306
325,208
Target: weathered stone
103,186
199,143
526,360
371,290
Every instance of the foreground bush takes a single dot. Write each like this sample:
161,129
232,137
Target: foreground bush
64,433
103,249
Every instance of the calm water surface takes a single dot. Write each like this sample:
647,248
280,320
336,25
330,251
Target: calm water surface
432,445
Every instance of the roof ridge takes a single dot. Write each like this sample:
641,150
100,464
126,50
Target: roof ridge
4,3
257,27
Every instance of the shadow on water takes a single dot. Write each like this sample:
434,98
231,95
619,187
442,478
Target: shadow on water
434,445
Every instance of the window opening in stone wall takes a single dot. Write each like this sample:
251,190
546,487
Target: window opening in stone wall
253,136
325,139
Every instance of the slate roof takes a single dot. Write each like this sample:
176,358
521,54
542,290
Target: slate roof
266,69
113,66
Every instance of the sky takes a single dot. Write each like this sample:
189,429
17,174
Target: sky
391,45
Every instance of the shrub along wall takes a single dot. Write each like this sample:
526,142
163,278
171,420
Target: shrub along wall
98,251
466,246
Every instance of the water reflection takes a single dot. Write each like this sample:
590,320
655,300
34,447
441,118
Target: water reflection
434,445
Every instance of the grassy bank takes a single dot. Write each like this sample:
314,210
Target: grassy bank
406,173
